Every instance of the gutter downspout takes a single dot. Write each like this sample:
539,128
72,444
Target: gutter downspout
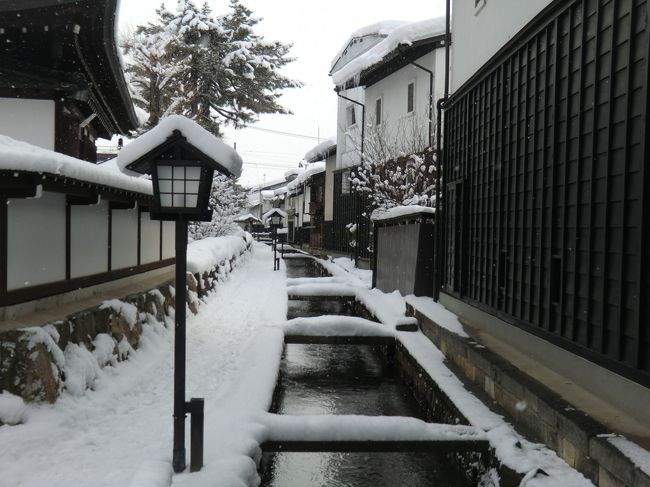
363,133
400,48
439,230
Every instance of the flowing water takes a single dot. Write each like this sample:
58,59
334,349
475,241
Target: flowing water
336,379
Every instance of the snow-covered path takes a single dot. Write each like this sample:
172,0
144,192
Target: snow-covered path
115,431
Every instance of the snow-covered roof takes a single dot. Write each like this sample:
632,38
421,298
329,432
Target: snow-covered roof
303,176
400,211
321,151
378,29
267,194
246,217
401,34
21,156
196,135
272,212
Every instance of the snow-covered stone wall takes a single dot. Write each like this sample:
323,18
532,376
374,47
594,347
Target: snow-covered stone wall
38,363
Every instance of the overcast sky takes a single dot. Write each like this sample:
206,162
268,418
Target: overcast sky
317,30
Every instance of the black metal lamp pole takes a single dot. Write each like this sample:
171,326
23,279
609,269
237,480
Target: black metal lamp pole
275,248
178,460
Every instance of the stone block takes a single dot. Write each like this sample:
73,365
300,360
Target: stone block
605,479
612,462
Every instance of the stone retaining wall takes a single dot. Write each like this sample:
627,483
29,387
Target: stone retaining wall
535,410
33,359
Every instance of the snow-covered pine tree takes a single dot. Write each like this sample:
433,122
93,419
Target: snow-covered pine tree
153,72
228,201
221,71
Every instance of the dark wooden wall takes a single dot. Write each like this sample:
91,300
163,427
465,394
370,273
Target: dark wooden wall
546,221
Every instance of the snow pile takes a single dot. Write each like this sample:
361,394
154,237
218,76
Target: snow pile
437,313
247,217
81,369
406,33
21,156
205,254
153,473
400,211
127,310
196,135
12,408
321,150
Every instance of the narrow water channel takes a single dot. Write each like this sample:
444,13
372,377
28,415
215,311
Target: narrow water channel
336,379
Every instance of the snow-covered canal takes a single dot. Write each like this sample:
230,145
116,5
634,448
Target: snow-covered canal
120,429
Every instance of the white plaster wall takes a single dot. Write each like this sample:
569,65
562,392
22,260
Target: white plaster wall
169,240
396,121
28,120
150,239
330,167
36,241
124,239
348,139
477,34
88,239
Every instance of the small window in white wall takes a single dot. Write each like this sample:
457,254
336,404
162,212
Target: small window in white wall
345,182
378,119
478,6
410,97
350,115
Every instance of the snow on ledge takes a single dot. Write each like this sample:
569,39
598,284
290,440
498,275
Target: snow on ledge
334,289
347,326
16,155
196,135
640,457
204,254
437,313
400,211
320,150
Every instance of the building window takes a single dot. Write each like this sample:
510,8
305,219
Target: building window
351,116
478,6
410,97
345,182
378,111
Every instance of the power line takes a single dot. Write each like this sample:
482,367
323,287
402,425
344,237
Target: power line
279,132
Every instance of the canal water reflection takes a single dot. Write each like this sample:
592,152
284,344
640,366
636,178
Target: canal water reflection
330,379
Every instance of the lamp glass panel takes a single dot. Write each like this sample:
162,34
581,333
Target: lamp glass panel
179,186
178,200
164,172
193,173
191,201
179,172
192,187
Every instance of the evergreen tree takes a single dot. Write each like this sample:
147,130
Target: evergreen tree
228,200
212,69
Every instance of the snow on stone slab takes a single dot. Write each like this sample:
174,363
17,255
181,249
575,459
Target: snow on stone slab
16,155
316,280
320,149
196,135
406,33
12,408
640,457
207,253
400,211
334,325
437,313
282,427
321,290
344,267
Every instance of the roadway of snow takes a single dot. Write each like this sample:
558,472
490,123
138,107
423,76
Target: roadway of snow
120,433
196,135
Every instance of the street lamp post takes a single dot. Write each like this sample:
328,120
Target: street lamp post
182,177
275,217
